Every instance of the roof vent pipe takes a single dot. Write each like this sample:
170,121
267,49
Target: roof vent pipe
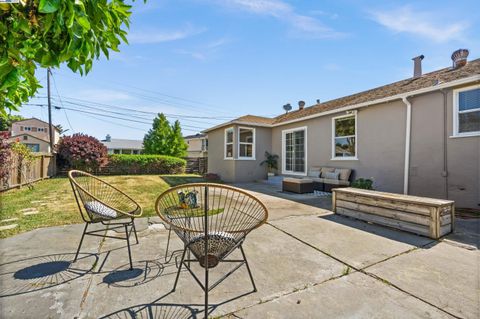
301,105
318,101
417,66
108,138
459,58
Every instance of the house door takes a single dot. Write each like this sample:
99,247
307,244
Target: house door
294,151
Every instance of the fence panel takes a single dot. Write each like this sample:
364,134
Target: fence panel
196,165
42,166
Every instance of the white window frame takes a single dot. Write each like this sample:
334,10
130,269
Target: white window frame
246,158
225,143
349,158
284,149
456,111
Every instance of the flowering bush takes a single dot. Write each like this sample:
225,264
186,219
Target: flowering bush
6,160
82,151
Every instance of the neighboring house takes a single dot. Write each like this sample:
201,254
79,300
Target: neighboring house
34,133
122,146
417,136
197,145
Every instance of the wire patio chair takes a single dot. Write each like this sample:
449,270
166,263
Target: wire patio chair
212,220
100,202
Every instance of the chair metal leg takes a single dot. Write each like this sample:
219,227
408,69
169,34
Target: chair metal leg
248,268
179,269
168,242
134,230
81,241
128,246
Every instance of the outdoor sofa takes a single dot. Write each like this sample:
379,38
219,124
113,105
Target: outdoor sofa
326,178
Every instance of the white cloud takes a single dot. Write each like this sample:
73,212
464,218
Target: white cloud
100,95
428,25
205,51
159,36
302,25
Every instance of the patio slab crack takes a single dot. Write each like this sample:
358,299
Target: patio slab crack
363,271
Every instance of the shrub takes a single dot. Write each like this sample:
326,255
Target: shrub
363,183
82,151
6,160
144,164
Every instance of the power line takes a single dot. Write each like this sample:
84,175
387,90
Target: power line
156,99
110,116
61,102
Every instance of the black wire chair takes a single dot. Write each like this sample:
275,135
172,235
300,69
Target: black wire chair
212,220
100,202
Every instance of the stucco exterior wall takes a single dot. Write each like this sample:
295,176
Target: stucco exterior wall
460,181
16,129
238,170
380,138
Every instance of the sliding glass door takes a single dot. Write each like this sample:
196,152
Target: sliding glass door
294,151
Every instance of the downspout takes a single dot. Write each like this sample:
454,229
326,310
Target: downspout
408,131
445,157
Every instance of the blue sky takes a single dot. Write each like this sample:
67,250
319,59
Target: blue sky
225,58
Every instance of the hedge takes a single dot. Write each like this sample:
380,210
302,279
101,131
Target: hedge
144,164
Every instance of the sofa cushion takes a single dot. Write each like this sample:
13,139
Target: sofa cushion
334,181
314,172
344,173
325,170
332,175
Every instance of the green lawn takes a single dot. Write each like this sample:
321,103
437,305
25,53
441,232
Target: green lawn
53,198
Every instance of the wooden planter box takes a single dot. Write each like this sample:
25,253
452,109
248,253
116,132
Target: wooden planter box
424,216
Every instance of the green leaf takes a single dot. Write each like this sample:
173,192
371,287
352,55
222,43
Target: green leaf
83,21
10,80
48,6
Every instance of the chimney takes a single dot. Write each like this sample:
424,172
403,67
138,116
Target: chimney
108,138
301,105
417,66
459,58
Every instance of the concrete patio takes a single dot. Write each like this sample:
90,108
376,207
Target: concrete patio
307,263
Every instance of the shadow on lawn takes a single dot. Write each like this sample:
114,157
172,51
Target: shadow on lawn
174,180
42,272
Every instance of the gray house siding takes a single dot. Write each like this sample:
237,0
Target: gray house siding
238,170
427,177
381,144
380,138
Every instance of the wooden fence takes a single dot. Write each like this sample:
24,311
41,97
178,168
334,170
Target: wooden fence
43,166
196,165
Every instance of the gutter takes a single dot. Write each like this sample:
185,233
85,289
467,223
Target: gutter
408,132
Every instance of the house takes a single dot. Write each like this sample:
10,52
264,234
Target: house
34,133
417,136
197,145
122,146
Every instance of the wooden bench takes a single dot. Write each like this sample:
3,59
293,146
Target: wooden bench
428,217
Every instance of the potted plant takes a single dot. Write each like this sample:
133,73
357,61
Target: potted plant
271,163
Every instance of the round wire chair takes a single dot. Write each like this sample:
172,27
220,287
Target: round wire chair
212,220
100,202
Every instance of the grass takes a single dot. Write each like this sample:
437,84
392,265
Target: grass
54,200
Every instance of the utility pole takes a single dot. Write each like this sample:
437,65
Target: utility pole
50,128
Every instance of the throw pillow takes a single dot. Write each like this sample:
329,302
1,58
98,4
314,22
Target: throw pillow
332,175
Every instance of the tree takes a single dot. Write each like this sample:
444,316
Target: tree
50,32
179,147
6,121
157,140
82,151
163,139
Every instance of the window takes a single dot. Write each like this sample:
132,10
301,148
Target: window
229,143
294,151
467,111
135,151
116,151
246,143
204,144
27,128
33,147
41,129
344,132
25,137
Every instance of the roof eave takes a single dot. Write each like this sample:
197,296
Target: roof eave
471,79
236,123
